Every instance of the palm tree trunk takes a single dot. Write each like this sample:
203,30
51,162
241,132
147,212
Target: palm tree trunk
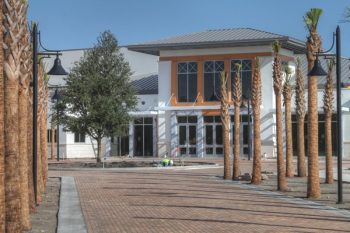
256,176
226,133
23,161
301,148
12,175
39,166
237,144
281,177
329,149
289,140
313,188
2,132
30,154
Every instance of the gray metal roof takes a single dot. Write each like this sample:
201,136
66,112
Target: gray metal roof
321,81
219,38
147,85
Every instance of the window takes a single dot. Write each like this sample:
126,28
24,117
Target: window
246,76
49,135
212,71
186,81
79,137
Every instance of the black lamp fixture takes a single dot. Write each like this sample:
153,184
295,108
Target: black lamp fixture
56,70
317,70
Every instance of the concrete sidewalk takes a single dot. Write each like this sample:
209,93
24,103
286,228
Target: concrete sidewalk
70,217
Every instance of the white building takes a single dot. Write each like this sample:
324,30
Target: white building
178,109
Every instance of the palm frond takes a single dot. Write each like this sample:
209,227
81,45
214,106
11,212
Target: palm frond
276,46
312,17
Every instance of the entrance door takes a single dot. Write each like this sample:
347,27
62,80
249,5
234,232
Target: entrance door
244,134
187,135
213,136
143,136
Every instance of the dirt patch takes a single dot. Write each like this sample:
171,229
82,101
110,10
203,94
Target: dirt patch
298,188
121,164
44,220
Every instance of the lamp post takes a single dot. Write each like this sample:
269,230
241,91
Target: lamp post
317,70
247,99
56,70
57,97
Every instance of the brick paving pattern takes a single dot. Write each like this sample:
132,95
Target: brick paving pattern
170,200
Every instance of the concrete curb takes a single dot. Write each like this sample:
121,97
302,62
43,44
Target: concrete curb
70,217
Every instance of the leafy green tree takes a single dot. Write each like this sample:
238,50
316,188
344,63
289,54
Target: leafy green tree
99,94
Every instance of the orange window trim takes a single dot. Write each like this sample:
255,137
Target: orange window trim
200,81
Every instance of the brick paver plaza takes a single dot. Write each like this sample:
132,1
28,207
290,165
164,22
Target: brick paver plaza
177,200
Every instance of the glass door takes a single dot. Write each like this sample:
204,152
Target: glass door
213,136
187,136
143,136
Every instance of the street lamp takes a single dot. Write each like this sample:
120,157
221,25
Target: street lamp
317,70
57,97
247,99
56,70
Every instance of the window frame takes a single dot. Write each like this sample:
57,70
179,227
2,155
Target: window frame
187,73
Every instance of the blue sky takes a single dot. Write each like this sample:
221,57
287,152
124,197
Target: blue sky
68,24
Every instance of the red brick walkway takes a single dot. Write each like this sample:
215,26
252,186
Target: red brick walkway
166,200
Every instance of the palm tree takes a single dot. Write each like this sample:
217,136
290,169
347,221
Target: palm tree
14,15
287,95
328,111
2,133
300,112
277,86
43,125
225,119
256,102
23,127
237,97
313,46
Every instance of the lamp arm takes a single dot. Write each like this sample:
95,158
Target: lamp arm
332,46
47,50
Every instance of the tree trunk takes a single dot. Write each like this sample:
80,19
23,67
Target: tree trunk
99,149
226,133
2,132
39,167
313,188
12,175
237,144
329,149
23,158
30,154
301,148
52,135
281,172
43,142
289,140
256,176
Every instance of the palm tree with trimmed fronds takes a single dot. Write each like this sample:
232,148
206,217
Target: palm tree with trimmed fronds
287,95
237,100
26,70
328,98
225,119
2,135
300,104
278,88
313,46
256,102
14,12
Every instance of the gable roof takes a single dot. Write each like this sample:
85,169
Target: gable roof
147,85
219,38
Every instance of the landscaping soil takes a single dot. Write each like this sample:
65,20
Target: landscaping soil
121,164
44,220
298,189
